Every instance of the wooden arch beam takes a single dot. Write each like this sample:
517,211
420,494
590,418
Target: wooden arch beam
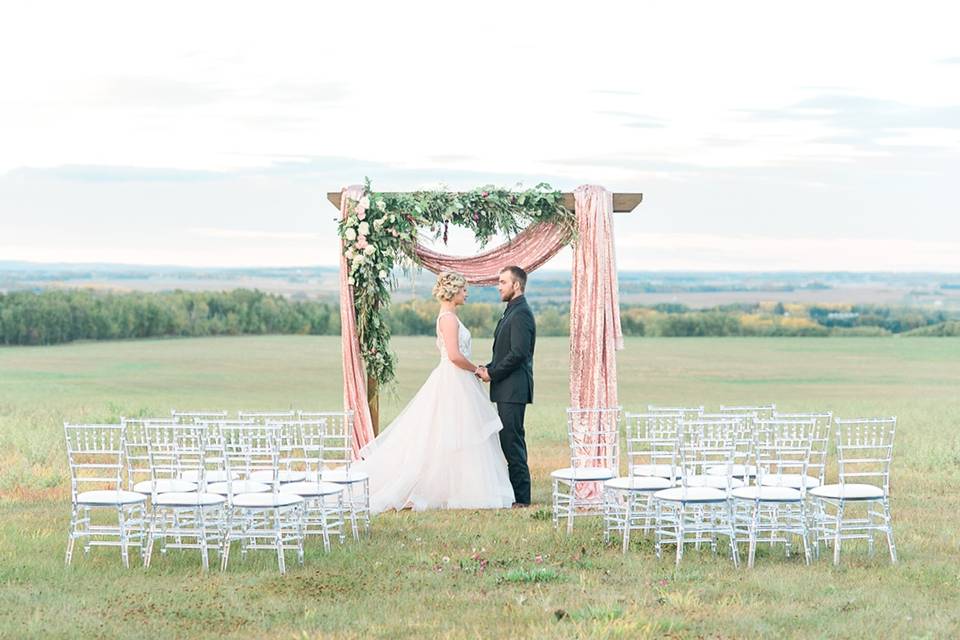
622,202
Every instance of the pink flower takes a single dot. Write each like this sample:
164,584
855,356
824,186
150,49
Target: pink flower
485,194
362,243
538,559
361,215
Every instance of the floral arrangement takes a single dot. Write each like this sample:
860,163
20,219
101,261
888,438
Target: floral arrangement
380,231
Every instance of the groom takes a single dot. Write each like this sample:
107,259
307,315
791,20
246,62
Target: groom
510,375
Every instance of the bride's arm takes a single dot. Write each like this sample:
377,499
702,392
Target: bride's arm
450,331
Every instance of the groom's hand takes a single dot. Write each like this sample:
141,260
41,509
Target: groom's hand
482,374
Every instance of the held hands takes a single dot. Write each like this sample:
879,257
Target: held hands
481,373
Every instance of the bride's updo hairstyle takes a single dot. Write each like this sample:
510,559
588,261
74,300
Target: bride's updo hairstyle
449,284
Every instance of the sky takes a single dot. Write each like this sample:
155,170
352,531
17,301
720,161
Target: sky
764,136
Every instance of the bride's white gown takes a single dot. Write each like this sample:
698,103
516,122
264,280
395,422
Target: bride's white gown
443,450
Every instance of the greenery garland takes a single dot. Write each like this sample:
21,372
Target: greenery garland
380,230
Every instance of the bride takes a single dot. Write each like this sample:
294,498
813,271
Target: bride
443,450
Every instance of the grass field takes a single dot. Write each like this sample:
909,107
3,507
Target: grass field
482,574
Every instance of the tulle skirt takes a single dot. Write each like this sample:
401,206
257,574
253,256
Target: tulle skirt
442,451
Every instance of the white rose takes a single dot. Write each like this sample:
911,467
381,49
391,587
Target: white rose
351,281
364,228
349,254
393,218
383,274
378,223
364,202
370,250
358,260
381,205
350,234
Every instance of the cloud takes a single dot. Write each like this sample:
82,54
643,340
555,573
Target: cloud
954,60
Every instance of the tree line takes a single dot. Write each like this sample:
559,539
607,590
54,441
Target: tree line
57,316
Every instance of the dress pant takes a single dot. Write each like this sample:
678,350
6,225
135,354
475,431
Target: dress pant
515,448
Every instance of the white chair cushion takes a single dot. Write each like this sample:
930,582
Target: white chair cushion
638,483
239,486
658,470
767,494
583,473
717,482
309,489
283,475
691,494
848,492
110,497
736,470
183,499
266,500
792,480
214,475
341,476
165,486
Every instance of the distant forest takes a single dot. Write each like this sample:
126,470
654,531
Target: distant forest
58,316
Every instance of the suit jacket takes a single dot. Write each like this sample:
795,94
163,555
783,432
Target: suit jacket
511,371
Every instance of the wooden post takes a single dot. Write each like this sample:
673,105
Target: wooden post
622,203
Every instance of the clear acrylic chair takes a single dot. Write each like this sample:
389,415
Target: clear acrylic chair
266,416
323,501
593,435
744,457
771,512
95,456
271,519
760,410
819,446
198,416
182,519
651,451
699,510
337,460
135,450
864,457
688,413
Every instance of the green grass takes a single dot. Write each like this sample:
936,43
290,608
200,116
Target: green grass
481,574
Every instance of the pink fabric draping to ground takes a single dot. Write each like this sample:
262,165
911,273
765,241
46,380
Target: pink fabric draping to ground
529,249
595,332
354,376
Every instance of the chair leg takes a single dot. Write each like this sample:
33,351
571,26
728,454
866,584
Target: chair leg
571,506
628,514
204,556
556,504
888,526
680,535
836,536
228,529
124,551
754,524
278,538
71,537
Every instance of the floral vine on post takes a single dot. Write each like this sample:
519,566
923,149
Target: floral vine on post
379,233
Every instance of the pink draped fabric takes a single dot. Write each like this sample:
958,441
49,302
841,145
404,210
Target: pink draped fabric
354,375
529,249
595,332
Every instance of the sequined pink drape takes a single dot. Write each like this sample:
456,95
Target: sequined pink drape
354,376
595,332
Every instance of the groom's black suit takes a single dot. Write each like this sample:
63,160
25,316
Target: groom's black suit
511,387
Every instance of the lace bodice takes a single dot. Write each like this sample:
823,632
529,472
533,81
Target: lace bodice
463,338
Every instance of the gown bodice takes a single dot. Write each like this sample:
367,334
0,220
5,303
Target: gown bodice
463,339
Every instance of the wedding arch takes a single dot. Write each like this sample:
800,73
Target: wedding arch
379,231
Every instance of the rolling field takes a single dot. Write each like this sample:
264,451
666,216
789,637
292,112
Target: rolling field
482,574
